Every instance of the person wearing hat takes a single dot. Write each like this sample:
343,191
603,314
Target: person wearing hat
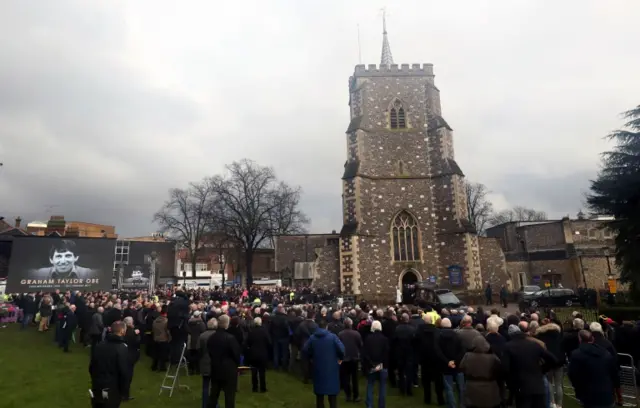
195,328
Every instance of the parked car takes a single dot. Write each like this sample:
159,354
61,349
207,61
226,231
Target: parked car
554,297
526,292
428,294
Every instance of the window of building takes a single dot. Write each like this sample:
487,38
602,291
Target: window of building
607,233
405,238
401,168
397,118
593,233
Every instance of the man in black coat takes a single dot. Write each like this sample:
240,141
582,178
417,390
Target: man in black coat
525,363
280,333
224,352
29,310
69,326
430,359
257,355
132,340
452,350
404,345
352,341
305,329
178,315
593,373
388,329
109,369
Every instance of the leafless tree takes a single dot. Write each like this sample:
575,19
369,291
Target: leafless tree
251,206
479,208
518,213
183,217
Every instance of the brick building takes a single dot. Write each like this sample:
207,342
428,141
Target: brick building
404,207
574,253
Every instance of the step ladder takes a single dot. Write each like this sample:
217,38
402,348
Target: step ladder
171,381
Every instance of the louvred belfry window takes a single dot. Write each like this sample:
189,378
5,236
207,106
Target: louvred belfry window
397,118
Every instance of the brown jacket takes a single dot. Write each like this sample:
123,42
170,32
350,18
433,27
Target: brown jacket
160,330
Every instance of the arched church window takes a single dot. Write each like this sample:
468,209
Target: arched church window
405,238
397,118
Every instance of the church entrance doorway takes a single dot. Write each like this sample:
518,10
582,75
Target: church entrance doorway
408,281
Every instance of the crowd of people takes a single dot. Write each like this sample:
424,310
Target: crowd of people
468,357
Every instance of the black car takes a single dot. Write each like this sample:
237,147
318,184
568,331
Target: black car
429,294
554,297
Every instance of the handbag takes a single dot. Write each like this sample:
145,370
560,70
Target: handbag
38,317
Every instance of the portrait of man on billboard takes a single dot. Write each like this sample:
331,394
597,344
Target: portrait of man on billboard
137,277
64,263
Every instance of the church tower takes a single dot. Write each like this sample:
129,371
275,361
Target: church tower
404,205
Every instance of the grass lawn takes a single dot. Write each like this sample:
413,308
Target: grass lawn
35,373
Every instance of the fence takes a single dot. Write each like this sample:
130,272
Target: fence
628,385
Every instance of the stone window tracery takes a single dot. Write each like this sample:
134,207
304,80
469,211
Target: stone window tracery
397,116
405,238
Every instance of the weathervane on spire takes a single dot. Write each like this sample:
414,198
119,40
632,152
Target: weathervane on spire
387,58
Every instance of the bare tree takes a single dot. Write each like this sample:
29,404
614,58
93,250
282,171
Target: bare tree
479,208
183,217
251,207
517,213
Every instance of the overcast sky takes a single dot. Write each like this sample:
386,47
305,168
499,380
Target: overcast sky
105,105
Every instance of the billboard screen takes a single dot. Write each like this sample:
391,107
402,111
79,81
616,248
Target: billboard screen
49,263
136,277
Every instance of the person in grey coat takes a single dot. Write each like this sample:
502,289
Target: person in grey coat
352,341
205,360
96,327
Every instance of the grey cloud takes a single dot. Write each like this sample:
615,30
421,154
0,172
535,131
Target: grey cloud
104,106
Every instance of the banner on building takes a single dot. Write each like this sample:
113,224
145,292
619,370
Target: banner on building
136,277
49,263
455,275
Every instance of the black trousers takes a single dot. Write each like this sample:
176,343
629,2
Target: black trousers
95,339
307,368
349,379
405,377
113,401
258,378
149,344
429,375
229,387
530,401
333,401
160,356
178,339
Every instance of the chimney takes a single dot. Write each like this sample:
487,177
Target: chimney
18,221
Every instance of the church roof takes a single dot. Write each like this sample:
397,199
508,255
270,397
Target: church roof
351,169
355,124
387,57
349,229
437,122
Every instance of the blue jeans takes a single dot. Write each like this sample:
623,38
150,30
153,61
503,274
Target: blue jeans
372,378
281,353
26,319
547,392
448,389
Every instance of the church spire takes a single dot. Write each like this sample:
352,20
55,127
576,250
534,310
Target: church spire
387,58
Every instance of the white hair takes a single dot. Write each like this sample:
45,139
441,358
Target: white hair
128,321
257,321
212,324
446,323
534,317
578,324
595,327
376,326
492,325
